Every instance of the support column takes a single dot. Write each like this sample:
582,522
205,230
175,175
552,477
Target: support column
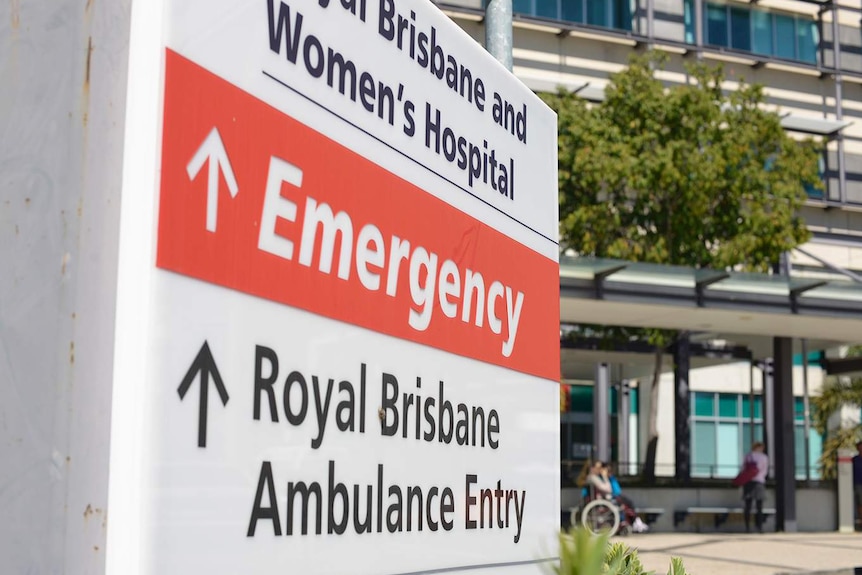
682,406
769,412
623,409
698,27
498,31
784,454
650,19
839,98
601,415
806,409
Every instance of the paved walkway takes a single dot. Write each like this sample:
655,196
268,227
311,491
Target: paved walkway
737,554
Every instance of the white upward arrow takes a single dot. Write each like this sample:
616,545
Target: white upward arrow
213,150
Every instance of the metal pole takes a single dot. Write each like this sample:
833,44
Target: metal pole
698,27
601,415
806,408
623,408
650,16
751,402
839,112
682,406
498,31
769,430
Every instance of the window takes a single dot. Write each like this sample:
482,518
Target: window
761,31
572,11
740,29
688,17
817,194
722,434
604,13
785,37
716,25
755,30
546,8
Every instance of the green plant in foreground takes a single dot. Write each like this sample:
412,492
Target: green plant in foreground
582,553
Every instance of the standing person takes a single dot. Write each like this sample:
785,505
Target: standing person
755,488
857,483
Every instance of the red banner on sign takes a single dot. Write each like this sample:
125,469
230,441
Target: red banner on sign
255,201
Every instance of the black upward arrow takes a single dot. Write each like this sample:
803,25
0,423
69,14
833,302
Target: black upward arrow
205,364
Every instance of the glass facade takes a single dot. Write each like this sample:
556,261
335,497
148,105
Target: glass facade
722,434
602,13
789,37
721,430
740,27
576,420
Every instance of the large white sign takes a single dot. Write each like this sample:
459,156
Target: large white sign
338,308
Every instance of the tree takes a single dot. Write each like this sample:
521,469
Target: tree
837,393
686,175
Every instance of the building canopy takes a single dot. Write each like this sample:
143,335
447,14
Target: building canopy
743,309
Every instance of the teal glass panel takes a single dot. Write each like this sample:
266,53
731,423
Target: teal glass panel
728,405
758,407
716,25
581,398
547,9
785,37
746,406
728,452
740,28
799,450
573,10
817,194
815,448
746,435
634,394
688,16
814,357
522,6
806,31
798,409
622,15
704,404
703,454
597,13
761,30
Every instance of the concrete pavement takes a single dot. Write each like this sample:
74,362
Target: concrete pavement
755,554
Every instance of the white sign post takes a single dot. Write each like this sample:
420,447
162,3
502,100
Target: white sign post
338,310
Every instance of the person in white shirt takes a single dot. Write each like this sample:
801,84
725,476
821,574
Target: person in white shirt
755,489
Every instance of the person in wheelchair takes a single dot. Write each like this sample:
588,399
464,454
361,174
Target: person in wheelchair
597,482
623,501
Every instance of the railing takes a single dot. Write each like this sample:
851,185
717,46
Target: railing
570,469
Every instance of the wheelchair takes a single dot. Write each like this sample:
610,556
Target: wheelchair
601,515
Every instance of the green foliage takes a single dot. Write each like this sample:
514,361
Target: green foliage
835,394
676,567
582,553
841,438
686,175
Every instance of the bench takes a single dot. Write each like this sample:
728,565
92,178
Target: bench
720,514
650,514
